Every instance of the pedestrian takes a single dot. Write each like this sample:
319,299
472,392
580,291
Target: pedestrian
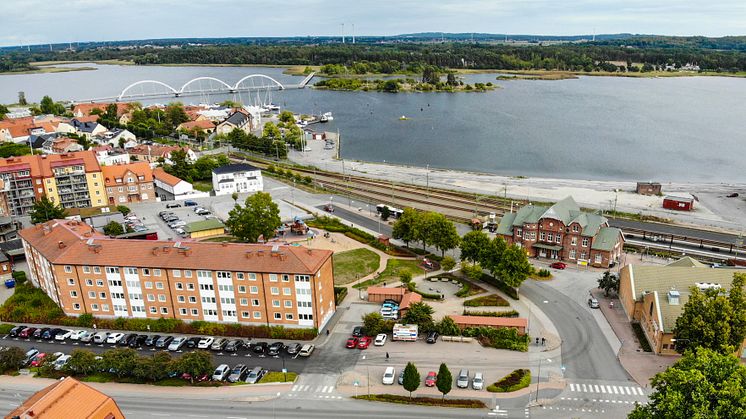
387,356
327,332
537,341
543,341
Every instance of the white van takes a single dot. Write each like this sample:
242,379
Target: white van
388,376
477,383
463,379
306,350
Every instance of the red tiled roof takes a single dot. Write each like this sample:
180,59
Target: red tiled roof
86,108
386,291
155,150
490,321
118,171
68,398
41,165
65,242
409,299
168,179
204,124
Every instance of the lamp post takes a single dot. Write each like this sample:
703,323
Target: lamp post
427,183
284,370
538,378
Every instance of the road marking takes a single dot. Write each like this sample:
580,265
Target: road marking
595,389
603,389
295,388
234,417
572,387
584,389
639,391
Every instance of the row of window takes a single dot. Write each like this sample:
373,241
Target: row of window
177,273
597,259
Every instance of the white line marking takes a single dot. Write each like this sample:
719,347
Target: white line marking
595,388
628,390
639,391
572,387
584,389
603,389
616,391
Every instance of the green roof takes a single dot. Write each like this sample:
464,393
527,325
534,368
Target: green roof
566,210
687,262
506,224
606,239
210,224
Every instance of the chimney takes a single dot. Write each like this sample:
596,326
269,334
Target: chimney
282,256
166,249
61,244
156,250
260,253
249,254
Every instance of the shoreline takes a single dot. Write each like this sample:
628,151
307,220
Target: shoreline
47,70
713,210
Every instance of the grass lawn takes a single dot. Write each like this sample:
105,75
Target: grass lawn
493,300
278,377
202,185
360,262
393,269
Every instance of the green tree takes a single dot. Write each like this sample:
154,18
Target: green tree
420,314
373,323
451,79
472,271
271,131
448,327
222,160
391,86
608,282
405,276
287,117
474,245
423,227
22,99
444,380
3,110
513,267
494,254
81,362
196,363
11,359
125,210
153,368
713,319
47,105
385,213
405,227
448,263
120,361
113,229
180,165
260,217
230,104
443,233
430,75
175,114
702,384
45,210
411,378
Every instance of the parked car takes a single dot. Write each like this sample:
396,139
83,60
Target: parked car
234,345
293,348
200,379
126,339
593,303
164,341
190,203
221,372
164,214
30,355
193,341
364,342
151,340
138,341
64,334
39,332
100,337
558,265
27,332
463,379
114,338
352,343
219,344
14,332
51,333
357,331
173,205
432,337
255,375
260,348
388,376
238,373
77,334
477,383
177,343
432,376
180,231
306,350
400,380
205,343
87,336
381,339
275,349
38,359
60,362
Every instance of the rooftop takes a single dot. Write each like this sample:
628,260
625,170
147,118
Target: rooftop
490,321
41,165
68,398
203,225
118,171
168,179
386,291
234,168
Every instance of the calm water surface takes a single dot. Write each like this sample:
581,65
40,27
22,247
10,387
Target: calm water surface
668,129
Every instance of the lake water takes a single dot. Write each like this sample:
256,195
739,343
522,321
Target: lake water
668,129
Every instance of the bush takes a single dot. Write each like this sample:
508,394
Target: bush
500,338
487,300
507,289
339,294
5,328
510,313
544,273
516,380
424,401
20,277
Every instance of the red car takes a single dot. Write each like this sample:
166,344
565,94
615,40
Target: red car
431,378
558,265
38,360
200,379
352,342
364,342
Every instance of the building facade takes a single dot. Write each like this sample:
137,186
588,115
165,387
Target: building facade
563,232
72,179
239,119
126,183
239,178
169,187
86,272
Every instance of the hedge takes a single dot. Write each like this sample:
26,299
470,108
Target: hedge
510,313
424,401
493,300
637,328
516,380
31,305
500,338
507,289
19,276
339,294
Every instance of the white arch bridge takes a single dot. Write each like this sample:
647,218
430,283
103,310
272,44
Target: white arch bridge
205,86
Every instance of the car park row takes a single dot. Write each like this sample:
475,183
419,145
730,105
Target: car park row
175,223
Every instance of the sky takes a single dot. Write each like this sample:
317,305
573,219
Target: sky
25,22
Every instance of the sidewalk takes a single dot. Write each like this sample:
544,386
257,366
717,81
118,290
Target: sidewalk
641,365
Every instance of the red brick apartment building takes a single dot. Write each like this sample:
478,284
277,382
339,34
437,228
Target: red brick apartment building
86,272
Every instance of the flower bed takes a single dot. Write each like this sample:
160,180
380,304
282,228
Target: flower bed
424,401
492,300
516,380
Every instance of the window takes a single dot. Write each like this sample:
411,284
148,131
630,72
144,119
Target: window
112,270
195,312
104,307
286,291
244,301
305,316
100,283
254,289
225,288
651,309
273,277
288,316
115,283
210,312
162,298
223,275
94,307
130,271
76,306
148,285
542,236
274,291
190,287
582,255
102,295
598,258
153,310
227,301
74,294
135,296
245,314
550,236
229,313
242,289
187,274
257,314
164,310
70,281
176,273
252,277
180,298
151,297
159,285
288,304
156,272
255,302
572,254
275,303
574,241
192,299
208,300
585,242
575,228
179,286
285,278
239,276
183,311
96,269
68,268
92,294
558,238
138,309
133,284
146,271
206,287
302,278
86,269
278,316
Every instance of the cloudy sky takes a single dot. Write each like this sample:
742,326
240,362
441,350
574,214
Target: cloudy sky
44,21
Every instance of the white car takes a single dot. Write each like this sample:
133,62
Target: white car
65,334
388,376
114,337
380,339
205,343
76,334
221,372
177,343
60,362
100,337
477,383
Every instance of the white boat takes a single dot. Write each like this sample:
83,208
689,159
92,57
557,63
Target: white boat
328,116
273,107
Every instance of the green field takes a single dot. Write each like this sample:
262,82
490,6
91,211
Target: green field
354,264
393,270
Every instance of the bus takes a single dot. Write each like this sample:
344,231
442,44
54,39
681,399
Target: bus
393,212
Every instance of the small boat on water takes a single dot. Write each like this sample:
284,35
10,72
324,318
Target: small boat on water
272,107
326,117
403,118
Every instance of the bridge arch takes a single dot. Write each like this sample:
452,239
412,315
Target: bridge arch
238,83
227,86
121,95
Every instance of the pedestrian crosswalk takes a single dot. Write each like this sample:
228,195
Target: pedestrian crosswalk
317,392
611,390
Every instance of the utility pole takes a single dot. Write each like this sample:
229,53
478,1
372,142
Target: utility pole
427,183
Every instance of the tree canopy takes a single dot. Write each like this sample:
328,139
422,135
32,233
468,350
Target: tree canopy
609,283
411,379
474,245
45,210
259,217
444,380
420,314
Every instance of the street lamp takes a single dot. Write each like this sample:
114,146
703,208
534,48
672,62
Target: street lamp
538,378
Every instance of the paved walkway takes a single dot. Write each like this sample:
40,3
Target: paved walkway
641,365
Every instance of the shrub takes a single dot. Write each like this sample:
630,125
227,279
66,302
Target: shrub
511,313
464,291
544,273
507,289
5,328
487,300
20,277
500,338
424,401
339,294
516,380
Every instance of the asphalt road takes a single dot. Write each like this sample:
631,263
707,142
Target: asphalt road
586,353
